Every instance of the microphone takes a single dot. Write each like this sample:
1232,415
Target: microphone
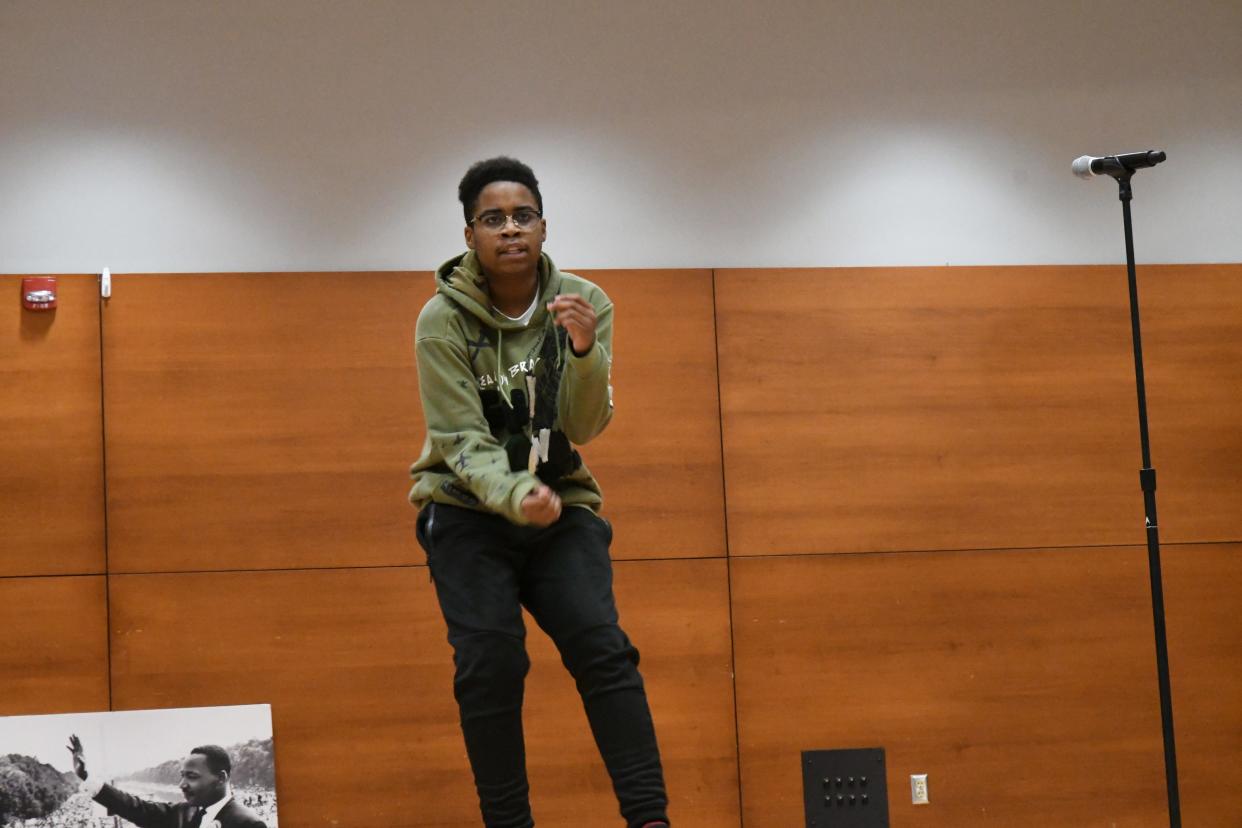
1116,165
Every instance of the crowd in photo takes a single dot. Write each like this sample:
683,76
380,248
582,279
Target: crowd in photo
260,800
79,811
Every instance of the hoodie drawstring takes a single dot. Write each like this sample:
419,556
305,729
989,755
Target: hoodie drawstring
500,366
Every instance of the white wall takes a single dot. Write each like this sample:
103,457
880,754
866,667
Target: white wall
263,135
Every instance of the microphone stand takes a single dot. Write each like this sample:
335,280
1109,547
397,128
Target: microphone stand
1147,480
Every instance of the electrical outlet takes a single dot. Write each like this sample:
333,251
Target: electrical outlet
918,789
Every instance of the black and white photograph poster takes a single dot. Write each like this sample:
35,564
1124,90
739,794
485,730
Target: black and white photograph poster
195,767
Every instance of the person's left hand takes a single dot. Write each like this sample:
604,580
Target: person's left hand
577,316
79,757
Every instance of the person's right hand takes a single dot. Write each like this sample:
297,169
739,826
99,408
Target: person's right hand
79,757
542,506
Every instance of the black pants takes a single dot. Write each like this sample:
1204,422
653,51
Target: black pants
485,570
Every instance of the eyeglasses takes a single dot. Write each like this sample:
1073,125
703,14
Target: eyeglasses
494,220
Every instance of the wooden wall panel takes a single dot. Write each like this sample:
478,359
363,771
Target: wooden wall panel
659,460
267,421
353,662
962,408
1022,682
261,420
356,667
54,658
51,433
677,614
1203,599
1192,350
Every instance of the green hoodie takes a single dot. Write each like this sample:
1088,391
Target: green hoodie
457,339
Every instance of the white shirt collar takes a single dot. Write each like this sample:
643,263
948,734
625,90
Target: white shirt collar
526,317
213,811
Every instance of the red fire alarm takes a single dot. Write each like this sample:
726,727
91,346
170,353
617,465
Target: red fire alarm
39,293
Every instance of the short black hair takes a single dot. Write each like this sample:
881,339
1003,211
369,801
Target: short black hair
216,756
500,168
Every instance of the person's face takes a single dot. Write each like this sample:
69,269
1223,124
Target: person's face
199,785
509,251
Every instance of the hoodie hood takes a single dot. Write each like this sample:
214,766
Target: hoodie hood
461,279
